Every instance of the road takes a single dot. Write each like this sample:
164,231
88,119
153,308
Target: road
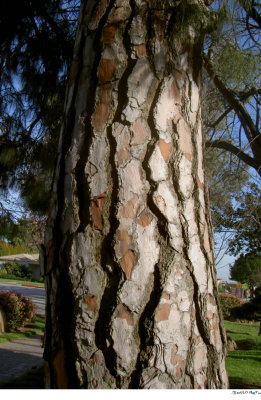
36,294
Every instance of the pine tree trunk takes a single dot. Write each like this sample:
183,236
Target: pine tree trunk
132,296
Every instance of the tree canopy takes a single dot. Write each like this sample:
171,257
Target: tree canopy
247,269
36,49
232,61
238,216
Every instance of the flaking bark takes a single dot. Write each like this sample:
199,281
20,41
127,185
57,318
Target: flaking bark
132,299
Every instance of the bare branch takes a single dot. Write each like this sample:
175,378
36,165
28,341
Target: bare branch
222,144
208,2
253,13
220,118
252,133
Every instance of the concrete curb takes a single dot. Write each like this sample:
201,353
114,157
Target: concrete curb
39,287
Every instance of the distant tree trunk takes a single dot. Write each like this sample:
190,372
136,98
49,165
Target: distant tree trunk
132,295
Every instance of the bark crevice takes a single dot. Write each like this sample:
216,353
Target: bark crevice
161,219
147,318
113,271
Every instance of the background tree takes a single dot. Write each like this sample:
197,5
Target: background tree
233,65
247,220
29,137
231,111
242,219
21,230
227,182
251,310
247,269
36,48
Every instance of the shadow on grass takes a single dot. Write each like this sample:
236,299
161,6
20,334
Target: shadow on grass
38,321
238,383
248,345
33,379
239,333
245,357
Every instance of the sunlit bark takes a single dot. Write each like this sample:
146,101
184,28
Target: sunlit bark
132,299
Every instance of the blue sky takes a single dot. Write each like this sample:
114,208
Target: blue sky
223,267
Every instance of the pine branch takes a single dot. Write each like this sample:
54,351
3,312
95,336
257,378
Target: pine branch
236,104
243,96
220,118
253,13
222,144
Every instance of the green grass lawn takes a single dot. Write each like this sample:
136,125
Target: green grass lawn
33,327
22,282
244,364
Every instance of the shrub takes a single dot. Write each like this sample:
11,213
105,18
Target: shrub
257,295
228,302
19,271
4,275
249,311
17,309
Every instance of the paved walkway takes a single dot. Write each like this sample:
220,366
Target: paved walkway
19,356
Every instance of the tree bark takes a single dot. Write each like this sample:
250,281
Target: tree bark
132,295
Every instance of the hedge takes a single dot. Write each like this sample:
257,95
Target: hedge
228,302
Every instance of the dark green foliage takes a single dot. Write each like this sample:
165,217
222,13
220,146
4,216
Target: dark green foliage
257,295
247,269
22,235
14,269
237,66
228,302
35,53
249,311
8,228
225,181
12,277
191,14
235,209
35,190
247,216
